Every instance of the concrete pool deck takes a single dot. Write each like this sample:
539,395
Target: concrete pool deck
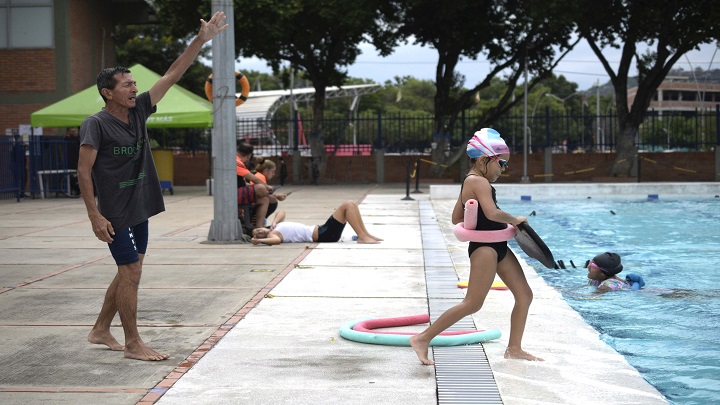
259,325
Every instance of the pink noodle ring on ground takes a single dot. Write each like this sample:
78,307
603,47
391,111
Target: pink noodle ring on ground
348,332
465,231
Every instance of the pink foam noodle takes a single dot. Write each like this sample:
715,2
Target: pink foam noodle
370,325
471,210
465,231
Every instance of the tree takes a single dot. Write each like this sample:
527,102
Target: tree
509,33
670,28
154,47
320,37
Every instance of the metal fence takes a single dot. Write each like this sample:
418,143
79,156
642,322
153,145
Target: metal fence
45,158
38,167
676,131
12,168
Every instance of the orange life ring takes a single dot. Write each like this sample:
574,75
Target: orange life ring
244,88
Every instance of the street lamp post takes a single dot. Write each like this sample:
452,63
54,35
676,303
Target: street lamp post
525,178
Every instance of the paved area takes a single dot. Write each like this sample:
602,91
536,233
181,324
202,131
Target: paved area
259,325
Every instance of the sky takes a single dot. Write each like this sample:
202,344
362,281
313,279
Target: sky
580,65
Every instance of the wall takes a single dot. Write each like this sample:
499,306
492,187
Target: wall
31,79
191,170
567,168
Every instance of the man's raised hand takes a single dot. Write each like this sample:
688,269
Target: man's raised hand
210,29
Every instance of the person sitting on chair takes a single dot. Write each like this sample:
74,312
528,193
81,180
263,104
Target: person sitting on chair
265,171
256,194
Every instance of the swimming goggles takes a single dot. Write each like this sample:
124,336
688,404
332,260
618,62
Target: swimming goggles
593,265
501,162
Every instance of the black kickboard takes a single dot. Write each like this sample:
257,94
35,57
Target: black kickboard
533,245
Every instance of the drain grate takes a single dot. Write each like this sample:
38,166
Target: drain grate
462,373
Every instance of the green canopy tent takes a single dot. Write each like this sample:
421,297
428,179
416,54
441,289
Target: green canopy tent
178,109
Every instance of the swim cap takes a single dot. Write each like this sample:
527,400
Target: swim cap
488,142
609,263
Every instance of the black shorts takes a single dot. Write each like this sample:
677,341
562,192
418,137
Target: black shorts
331,230
500,248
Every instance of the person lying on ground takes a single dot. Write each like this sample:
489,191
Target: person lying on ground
331,231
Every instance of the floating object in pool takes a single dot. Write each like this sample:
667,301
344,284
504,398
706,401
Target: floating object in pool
635,281
561,264
532,214
496,285
365,333
573,264
612,212
526,238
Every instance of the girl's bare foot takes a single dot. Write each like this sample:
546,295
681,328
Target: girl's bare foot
421,349
518,353
376,238
366,240
141,351
104,338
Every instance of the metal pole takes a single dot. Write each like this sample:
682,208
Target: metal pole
417,177
407,181
525,178
597,117
225,226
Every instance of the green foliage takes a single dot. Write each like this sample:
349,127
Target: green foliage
672,28
155,48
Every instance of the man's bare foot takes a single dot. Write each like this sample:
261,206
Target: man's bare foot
141,351
421,349
104,338
366,240
518,353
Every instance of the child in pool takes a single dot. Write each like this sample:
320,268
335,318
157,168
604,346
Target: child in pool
488,158
602,271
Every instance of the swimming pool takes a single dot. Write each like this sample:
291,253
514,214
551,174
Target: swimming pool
669,330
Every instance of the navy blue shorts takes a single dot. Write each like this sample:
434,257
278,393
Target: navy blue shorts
129,243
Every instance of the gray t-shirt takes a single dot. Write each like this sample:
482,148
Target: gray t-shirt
126,181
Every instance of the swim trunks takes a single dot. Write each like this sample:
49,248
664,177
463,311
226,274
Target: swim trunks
129,243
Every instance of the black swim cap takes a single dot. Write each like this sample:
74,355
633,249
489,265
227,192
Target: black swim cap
609,263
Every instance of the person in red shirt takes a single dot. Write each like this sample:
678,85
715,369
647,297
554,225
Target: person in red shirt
255,194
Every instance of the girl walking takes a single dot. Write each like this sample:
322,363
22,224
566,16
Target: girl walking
489,157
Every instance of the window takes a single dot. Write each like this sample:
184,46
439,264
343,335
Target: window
26,24
670,95
689,96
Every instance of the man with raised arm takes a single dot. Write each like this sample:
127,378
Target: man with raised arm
115,156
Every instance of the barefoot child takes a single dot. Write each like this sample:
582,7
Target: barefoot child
488,158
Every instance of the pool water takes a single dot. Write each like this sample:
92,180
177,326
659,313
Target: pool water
670,330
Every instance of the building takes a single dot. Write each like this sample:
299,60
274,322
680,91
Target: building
51,49
679,93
